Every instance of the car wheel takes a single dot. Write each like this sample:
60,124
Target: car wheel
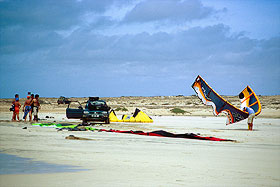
107,121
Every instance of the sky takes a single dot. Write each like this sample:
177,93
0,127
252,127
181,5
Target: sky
112,48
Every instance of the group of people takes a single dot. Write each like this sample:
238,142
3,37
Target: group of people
31,107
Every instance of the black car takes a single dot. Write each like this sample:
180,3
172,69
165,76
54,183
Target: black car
95,110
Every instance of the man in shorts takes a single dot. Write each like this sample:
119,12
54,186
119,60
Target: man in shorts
250,117
27,109
35,107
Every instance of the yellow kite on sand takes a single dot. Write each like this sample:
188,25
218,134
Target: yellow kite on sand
138,117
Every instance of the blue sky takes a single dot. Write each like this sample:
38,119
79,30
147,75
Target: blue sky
80,48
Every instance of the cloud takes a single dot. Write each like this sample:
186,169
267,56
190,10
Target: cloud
19,40
172,10
32,25
60,14
189,46
68,51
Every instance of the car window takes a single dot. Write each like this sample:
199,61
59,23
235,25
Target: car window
96,105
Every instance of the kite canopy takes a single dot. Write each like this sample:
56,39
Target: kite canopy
113,117
249,99
138,117
161,133
209,97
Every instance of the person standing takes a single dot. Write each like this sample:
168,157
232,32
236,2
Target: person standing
35,107
17,107
250,117
31,104
13,107
27,109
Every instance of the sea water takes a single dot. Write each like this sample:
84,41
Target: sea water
10,164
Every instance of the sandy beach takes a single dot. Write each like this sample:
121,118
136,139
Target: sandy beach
113,159
154,62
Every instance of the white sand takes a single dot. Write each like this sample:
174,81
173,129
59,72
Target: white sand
114,159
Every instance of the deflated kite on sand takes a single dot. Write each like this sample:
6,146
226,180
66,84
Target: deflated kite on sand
158,133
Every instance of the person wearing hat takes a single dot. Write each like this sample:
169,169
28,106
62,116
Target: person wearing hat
27,108
250,117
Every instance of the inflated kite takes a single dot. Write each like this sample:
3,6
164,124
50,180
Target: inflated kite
209,97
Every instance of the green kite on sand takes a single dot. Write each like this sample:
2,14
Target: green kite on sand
63,126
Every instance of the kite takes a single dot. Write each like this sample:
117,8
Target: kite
162,133
159,133
209,97
138,117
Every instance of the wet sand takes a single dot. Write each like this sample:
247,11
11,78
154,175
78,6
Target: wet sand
113,159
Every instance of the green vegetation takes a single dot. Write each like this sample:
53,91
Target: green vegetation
121,109
178,111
